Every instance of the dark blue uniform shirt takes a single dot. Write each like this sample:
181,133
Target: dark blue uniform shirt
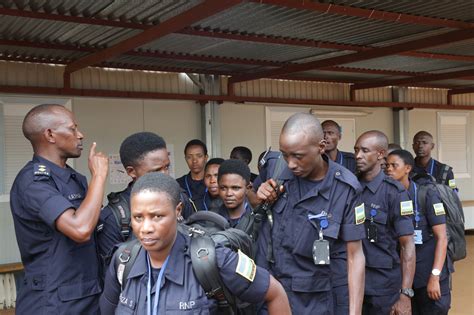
428,218
109,232
61,276
180,291
223,211
207,203
195,189
383,196
309,286
435,169
347,160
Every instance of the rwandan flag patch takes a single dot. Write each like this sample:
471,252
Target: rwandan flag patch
246,267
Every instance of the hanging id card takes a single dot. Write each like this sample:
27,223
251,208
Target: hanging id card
418,236
321,252
372,233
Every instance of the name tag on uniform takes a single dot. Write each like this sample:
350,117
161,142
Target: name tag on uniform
418,236
246,267
360,214
439,209
406,207
452,184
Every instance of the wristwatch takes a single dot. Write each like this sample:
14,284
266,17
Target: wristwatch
435,272
408,292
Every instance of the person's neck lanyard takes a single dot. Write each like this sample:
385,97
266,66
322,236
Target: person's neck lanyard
417,212
204,202
432,167
156,300
187,186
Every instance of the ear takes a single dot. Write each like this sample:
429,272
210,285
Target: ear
249,186
131,172
382,154
179,209
48,134
432,145
322,145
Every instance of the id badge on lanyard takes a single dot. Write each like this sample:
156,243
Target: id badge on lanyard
320,250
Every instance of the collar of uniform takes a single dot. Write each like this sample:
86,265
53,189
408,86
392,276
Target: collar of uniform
375,183
175,270
63,173
428,165
325,187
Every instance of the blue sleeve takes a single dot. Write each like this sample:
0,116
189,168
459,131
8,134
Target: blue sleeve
110,234
403,224
433,198
188,208
350,231
247,291
45,201
110,296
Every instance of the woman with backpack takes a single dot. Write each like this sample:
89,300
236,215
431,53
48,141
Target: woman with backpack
431,281
161,279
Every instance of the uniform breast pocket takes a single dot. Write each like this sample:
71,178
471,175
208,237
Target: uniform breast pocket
196,306
304,237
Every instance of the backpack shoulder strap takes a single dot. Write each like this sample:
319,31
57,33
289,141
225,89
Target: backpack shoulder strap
446,170
126,255
121,210
422,191
204,262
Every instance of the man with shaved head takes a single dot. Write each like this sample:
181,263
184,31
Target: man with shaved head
312,245
332,134
388,212
55,216
424,164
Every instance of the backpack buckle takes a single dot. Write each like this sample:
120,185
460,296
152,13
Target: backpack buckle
125,259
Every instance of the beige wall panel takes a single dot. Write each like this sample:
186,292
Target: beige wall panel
108,122
374,95
242,124
177,122
427,96
463,99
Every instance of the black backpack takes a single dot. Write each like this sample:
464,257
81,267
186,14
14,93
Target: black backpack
454,216
206,229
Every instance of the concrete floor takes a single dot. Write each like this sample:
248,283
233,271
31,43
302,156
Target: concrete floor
463,284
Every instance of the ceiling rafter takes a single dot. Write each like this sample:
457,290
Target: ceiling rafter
437,40
461,91
197,13
330,8
417,79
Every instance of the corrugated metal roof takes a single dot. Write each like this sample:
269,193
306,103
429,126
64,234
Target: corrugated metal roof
245,18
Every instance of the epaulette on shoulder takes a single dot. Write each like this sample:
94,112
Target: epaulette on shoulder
344,175
395,183
41,171
271,155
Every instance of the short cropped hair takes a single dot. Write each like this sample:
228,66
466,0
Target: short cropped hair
332,122
214,161
35,123
134,148
238,167
160,183
195,142
405,156
242,152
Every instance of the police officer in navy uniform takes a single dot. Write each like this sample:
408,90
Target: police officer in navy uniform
161,279
244,154
195,154
433,266
234,181
211,200
55,216
332,134
424,164
140,153
312,242
388,285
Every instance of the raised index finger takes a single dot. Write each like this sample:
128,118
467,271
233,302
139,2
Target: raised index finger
92,151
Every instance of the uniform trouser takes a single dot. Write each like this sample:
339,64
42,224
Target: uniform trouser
379,304
423,305
341,300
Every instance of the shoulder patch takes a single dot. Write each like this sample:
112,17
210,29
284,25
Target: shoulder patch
406,207
452,183
246,267
360,214
41,170
439,209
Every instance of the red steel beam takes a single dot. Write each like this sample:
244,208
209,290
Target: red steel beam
217,98
461,91
417,79
193,15
431,41
367,13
